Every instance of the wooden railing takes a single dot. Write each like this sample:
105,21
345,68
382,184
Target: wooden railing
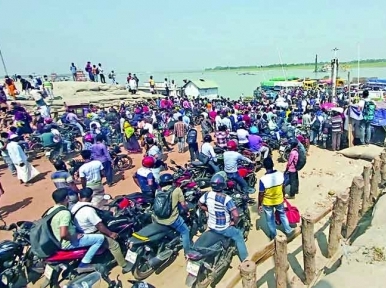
346,210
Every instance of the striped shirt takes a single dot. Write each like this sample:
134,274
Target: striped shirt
336,123
220,207
62,179
221,138
179,129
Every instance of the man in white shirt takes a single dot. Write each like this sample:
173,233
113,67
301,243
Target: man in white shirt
148,126
226,122
207,150
242,135
90,174
217,120
87,221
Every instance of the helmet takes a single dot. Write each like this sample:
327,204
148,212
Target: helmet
148,162
208,138
165,180
253,130
293,142
232,145
218,183
88,138
240,125
48,120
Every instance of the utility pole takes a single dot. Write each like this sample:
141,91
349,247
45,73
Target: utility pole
350,134
334,71
2,60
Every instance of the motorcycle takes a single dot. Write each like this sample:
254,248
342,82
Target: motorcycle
182,174
14,264
155,245
63,264
212,253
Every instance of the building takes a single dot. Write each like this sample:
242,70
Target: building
201,88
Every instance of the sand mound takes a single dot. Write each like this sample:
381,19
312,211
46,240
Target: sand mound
366,152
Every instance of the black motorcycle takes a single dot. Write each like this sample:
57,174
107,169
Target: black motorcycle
212,253
155,245
14,265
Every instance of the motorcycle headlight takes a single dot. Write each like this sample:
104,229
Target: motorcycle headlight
4,280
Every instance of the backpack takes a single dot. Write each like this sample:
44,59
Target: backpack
316,125
302,159
191,138
162,206
110,76
369,111
43,241
39,81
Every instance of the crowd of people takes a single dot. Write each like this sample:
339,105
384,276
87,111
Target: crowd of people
234,124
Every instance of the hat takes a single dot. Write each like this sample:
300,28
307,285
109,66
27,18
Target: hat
13,136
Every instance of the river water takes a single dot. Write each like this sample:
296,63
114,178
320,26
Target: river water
231,84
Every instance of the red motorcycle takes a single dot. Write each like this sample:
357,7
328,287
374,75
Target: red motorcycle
247,171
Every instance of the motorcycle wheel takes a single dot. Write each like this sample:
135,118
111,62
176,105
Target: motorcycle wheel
124,163
37,148
252,180
203,280
77,146
142,270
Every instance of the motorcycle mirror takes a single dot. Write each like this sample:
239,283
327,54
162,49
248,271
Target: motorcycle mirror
107,197
173,162
12,226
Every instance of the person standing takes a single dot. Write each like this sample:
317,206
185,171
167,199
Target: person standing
167,89
112,77
91,173
48,87
11,87
271,198
291,168
133,85
336,129
100,152
367,107
73,71
101,74
88,69
95,72
191,139
152,85
4,153
173,89
180,131
25,171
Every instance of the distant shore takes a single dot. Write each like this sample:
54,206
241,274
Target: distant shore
305,66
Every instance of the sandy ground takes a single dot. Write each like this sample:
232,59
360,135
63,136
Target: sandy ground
325,171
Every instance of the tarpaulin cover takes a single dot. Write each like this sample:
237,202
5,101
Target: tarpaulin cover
379,117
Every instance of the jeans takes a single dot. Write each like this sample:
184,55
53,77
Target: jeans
365,128
193,150
294,182
213,166
239,180
314,136
180,226
108,172
10,164
235,234
96,78
181,144
93,240
270,215
103,80
264,150
335,137
80,127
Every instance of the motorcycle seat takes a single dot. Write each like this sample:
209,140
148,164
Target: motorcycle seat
197,164
209,239
152,230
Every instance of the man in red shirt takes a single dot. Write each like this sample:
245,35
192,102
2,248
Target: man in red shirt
291,168
247,119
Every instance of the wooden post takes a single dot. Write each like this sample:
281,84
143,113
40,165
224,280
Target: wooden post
383,166
309,249
248,274
338,216
281,261
366,189
375,178
356,192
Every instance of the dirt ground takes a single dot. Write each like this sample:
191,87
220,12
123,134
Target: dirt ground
324,171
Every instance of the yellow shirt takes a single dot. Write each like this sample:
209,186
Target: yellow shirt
271,185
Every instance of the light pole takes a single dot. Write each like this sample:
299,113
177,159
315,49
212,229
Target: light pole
334,63
2,60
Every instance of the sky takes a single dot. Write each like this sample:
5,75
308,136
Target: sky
45,36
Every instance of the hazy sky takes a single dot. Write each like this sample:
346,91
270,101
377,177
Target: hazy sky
45,36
